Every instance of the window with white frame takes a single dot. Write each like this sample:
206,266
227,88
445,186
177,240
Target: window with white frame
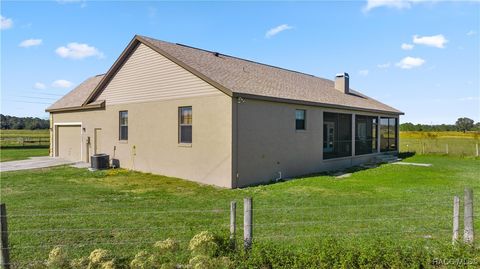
123,125
185,125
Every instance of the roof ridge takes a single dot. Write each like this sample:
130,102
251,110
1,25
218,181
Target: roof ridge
238,58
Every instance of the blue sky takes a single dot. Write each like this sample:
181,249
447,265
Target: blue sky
422,57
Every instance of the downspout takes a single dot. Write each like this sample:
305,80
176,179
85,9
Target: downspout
51,153
237,176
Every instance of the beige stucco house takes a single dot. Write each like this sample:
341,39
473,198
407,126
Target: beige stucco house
185,112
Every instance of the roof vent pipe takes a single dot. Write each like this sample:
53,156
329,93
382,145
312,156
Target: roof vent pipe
342,82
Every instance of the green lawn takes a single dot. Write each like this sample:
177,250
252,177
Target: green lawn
127,211
14,154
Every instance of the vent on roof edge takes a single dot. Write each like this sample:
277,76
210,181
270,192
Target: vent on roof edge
216,54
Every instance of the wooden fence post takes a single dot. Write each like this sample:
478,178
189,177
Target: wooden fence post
233,217
456,215
5,253
468,234
446,148
247,223
476,147
423,148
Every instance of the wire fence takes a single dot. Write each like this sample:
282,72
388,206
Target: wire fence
444,146
126,230
24,141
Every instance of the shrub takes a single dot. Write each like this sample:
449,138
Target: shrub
206,262
80,263
167,246
201,262
204,243
98,257
109,265
354,253
57,258
142,260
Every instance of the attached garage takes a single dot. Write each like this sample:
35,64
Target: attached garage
69,142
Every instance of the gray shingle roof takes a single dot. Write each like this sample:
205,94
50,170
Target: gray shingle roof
77,96
244,77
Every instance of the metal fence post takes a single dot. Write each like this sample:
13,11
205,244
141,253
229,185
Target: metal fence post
5,253
456,215
233,217
468,234
247,223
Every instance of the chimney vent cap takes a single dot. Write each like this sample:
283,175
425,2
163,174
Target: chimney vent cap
344,74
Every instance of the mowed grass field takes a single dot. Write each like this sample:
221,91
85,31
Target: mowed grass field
13,148
455,143
24,133
15,154
127,211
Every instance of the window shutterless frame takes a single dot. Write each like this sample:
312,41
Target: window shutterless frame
185,117
300,119
123,125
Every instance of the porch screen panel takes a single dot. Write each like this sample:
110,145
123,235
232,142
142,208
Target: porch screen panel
337,135
365,134
388,134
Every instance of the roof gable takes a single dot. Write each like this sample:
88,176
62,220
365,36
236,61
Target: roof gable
149,76
77,97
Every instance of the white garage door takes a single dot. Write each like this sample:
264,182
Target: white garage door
69,142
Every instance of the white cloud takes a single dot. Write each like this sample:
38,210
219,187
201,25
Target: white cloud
410,62
469,98
30,43
5,23
363,72
383,66
437,41
276,30
39,86
152,12
406,46
61,83
398,4
471,32
82,2
76,50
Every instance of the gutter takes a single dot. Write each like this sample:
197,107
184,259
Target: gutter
310,103
78,108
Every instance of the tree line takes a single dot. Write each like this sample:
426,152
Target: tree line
461,125
19,123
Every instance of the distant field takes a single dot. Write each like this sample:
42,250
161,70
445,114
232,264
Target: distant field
22,144
24,138
24,133
453,143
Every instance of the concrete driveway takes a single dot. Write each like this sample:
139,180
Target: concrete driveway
32,163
